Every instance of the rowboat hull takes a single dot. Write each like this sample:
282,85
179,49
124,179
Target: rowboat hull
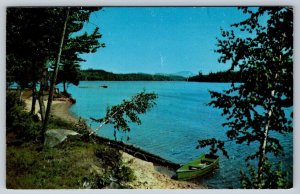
199,167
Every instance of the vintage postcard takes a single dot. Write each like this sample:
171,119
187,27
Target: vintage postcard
149,97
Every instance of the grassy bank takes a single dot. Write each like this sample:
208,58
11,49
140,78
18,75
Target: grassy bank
73,164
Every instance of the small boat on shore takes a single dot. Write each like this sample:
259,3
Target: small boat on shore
199,167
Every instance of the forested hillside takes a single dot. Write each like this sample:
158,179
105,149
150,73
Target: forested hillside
93,74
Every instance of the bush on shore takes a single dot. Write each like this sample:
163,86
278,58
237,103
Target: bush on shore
19,122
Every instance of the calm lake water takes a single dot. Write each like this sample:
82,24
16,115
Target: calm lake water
173,127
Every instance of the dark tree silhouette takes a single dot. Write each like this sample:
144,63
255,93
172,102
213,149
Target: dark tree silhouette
34,41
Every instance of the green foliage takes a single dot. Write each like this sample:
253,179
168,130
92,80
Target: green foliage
112,160
120,115
22,54
109,156
18,121
13,102
215,146
125,174
93,74
34,37
30,29
82,128
263,58
273,178
75,45
70,73
100,181
56,122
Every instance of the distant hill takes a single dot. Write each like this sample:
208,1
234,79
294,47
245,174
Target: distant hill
101,75
184,74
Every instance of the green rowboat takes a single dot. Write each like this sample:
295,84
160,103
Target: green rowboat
198,167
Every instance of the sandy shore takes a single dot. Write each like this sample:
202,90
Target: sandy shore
60,108
147,175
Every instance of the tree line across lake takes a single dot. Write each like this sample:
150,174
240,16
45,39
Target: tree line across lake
102,75
99,75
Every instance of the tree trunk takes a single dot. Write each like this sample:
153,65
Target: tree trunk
262,155
65,89
53,79
41,95
33,102
20,94
42,105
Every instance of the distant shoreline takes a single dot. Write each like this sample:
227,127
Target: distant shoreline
102,75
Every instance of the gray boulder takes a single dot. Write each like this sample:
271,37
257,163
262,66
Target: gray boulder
54,137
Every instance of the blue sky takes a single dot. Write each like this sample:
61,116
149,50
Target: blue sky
159,39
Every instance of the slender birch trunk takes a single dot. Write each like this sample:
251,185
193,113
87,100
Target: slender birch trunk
262,156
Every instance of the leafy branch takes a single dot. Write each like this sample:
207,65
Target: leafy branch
127,112
214,144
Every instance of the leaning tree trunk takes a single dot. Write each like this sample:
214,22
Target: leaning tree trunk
53,79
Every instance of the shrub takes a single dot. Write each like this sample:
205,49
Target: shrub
82,128
18,121
112,159
56,122
273,177
109,156
124,174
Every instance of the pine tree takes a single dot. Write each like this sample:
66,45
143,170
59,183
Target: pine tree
34,37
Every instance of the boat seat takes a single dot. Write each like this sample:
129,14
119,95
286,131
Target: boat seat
197,166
